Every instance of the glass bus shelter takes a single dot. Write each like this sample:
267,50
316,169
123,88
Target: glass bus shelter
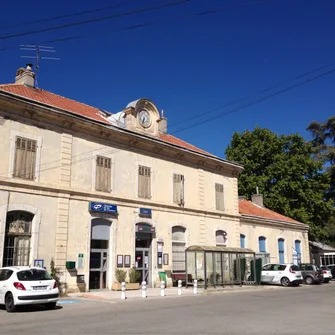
220,266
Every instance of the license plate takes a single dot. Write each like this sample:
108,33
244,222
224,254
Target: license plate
38,288
298,276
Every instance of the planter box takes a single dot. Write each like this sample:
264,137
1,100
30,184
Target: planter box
129,286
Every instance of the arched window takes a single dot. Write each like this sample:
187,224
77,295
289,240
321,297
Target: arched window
178,249
220,238
262,244
281,250
17,238
297,247
242,241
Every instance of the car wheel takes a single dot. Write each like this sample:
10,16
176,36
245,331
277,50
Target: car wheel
326,281
285,281
309,280
9,303
50,305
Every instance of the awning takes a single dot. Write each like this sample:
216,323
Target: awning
219,249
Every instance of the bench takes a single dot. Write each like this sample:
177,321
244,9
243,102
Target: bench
180,276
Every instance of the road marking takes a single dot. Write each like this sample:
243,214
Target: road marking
65,302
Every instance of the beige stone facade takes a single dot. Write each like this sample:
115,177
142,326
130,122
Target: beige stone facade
64,183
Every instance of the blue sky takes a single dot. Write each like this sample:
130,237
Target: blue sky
187,64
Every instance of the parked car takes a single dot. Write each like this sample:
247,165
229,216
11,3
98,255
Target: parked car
23,285
331,267
327,275
311,273
284,274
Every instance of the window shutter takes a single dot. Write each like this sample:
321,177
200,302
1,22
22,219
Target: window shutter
242,241
25,158
219,199
261,244
144,182
103,174
297,247
178,189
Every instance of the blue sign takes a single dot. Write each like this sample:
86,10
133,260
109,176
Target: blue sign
102,208
145,212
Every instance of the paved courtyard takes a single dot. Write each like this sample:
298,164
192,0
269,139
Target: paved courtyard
294,310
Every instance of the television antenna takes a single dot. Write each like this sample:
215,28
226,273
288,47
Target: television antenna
38,55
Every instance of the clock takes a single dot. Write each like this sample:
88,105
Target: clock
144,118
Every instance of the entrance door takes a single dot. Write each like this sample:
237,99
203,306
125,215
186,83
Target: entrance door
143,252
142,260
98,267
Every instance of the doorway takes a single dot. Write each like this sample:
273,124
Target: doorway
98,264
99,254
144,235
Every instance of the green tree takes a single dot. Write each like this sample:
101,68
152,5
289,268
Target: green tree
324,148
286,173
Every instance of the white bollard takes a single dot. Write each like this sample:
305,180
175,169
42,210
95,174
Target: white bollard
195,286
123,291
162,288
144,289
179,287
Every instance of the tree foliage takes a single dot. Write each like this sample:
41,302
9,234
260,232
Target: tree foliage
324,148
286,173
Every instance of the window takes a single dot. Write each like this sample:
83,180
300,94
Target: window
25,158
281,248
277,267
220,238
262,244
267,267
5,274
17,238
297,247
144,182
242,241
219,199
103,174
178,189
178,249
32,275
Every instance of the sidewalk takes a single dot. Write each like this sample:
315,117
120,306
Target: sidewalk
169,292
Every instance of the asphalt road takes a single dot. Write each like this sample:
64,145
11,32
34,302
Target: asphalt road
296,310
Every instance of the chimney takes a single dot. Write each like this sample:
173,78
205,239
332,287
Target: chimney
257,199
25,76
162,124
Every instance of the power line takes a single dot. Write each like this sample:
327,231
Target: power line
257,101
109,17
66,15
195,125
249,97
147,24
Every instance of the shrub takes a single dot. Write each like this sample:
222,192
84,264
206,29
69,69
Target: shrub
134,275
120,275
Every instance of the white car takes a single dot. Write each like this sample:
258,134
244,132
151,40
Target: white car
284,274
327,275
23,285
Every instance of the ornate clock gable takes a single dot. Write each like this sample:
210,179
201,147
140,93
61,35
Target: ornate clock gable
142,116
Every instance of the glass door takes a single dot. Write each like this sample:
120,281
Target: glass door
142,263
98,269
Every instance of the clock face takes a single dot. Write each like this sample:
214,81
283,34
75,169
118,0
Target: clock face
144,118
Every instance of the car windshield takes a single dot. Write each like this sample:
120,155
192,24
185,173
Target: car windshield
324,268
31,275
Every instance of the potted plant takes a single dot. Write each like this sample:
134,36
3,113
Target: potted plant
120,276
134,279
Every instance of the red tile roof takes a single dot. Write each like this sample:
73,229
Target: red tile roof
176,141
81,109
248,208
54,100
